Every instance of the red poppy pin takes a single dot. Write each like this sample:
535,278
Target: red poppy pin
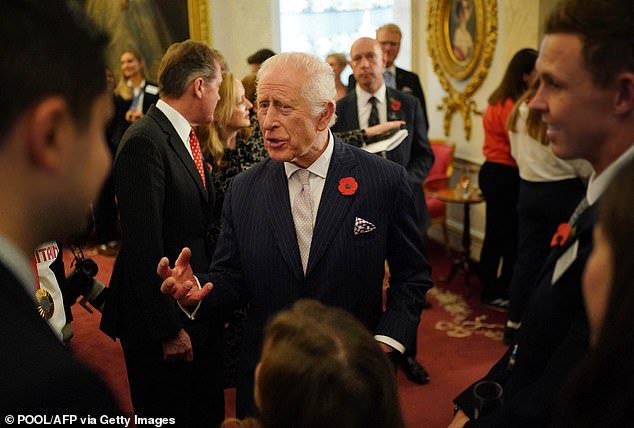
395,105
561,236
348,186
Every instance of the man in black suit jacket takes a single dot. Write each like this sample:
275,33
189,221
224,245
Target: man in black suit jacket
165,201
389,37
53,159
353,111
105,208
362,215
588,108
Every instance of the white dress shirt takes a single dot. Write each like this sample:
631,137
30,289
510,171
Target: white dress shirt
598,183
318,171
364,107
180,124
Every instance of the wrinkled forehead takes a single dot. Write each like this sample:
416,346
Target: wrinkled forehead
281,84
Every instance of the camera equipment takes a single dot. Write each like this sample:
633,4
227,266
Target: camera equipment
82,282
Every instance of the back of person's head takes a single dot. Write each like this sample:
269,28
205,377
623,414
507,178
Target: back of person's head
533,125
321,367
514,82
599,392
605,28
185,61
260,56
249,84
318,79
49,49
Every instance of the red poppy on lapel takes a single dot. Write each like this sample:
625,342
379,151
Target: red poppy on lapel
348,186
561,236
395,104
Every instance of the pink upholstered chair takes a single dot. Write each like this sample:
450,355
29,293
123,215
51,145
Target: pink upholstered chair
438,177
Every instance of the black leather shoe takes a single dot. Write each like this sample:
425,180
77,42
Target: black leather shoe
414,371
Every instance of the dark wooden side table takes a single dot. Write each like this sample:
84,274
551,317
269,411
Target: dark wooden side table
455,195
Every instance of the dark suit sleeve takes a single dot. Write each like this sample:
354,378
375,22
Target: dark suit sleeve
531,405
422,157
418,93
411,80
140,187
410,273
225,271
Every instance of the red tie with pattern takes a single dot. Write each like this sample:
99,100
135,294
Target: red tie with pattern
197,155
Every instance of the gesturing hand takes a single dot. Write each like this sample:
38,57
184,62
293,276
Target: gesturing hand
179,282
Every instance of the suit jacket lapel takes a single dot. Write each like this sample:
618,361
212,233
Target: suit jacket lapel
350,113
333,206
177,145
394,105
279,213
584,225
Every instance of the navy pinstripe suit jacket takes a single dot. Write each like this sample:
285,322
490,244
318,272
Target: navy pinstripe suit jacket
257,259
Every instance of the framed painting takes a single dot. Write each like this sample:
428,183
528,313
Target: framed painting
148,26
461,39
460,26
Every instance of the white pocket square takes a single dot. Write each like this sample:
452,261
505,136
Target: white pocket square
362,226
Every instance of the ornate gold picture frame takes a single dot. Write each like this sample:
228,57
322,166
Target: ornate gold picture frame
461,38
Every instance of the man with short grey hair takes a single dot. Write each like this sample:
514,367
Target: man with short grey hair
316,220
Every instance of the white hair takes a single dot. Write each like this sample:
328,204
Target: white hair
318,87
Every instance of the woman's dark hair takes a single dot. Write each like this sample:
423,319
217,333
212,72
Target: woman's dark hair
513,84
600,391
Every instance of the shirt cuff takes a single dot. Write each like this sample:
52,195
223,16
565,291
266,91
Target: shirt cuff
191,315
390,342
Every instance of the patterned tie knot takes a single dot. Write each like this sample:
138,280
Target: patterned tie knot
373,101
302,176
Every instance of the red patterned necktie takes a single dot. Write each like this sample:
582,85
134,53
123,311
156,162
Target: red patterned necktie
197,155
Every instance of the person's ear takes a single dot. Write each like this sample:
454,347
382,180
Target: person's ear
256,388
624,100
198,87
49,133
325,116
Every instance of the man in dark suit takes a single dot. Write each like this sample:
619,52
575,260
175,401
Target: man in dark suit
125,112
414,153
325,236
586,99
53,160
165,197
389,37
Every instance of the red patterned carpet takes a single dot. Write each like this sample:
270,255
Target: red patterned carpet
458,342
